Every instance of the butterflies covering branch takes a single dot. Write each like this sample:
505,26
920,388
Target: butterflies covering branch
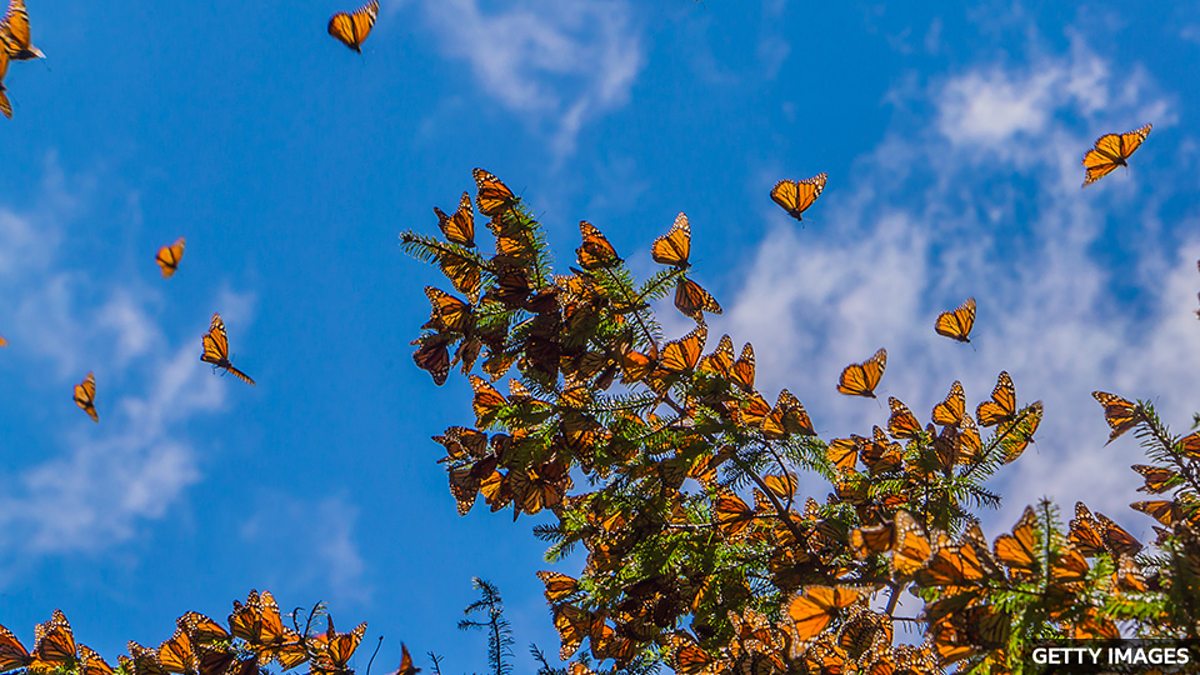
658,458
255,637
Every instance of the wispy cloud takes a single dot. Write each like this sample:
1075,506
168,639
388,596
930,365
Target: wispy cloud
977,193
99,485
315,543
561,63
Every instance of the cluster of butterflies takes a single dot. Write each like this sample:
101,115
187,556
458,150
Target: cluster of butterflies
214,344
349,28
255,638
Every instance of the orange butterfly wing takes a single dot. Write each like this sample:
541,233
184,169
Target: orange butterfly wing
675,247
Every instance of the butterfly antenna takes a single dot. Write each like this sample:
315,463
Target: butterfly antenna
377,646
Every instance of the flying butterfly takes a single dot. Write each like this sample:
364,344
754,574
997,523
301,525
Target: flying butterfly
493,197
1111,151
460,227
15,33
1121,414
331,651
795,196
216,349
957,323
675,247
168,258
692,300
1002,407
406,663
860,379
85,396
352,28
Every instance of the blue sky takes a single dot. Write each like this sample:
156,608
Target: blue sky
952,143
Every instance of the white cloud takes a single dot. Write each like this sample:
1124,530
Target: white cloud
99,484
316,540
986,202
560,62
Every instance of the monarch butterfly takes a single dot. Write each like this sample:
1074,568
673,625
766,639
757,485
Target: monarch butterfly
956,324
1111,151
1016,435
818,607
85,396
144,661
843,452
91,663
352,29
689,657
216,349
1097,534
902,423
460,227
595,252
720,362
675,247
788,417
573,625
13,654
558,586
951,411
331,651
1121,414
795,196
681,355
54,645
177,654
487,400
168,258
1069,569
1158,479
1190,445
860,379
910,547
1019,550
692,300
493,197
433,356
1002,407
869,540
406,662
16,35
258,623
449,313
732,515
201,629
